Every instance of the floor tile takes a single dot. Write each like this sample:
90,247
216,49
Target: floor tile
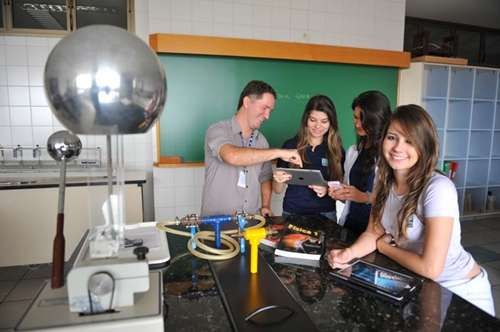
12,272
493,275
493,246
25,290
493,264
495,291
39,271
472,226
5,288
480,237
493,223
483,255
12,312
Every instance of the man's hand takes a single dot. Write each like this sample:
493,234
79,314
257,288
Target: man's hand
291,156
281,176
266,211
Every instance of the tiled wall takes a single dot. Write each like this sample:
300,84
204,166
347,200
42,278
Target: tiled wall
358,23
178,191
25,117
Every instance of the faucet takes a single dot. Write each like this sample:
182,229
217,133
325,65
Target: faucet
16,151
37,152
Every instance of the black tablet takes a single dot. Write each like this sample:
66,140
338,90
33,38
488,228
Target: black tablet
394,285
304,177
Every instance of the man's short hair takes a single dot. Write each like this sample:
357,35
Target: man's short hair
257,89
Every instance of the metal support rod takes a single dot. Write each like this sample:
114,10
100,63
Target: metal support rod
109,168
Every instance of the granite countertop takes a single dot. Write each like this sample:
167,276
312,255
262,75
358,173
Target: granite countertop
41,179
194,301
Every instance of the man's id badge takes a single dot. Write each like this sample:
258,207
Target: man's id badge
324,162
242,179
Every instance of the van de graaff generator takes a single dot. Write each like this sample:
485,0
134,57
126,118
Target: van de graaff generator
103,80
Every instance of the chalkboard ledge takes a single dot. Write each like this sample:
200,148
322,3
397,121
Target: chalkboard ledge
222,46
175,161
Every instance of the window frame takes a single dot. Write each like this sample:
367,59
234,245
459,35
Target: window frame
70,20
421,24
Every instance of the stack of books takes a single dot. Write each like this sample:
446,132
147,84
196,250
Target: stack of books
299,245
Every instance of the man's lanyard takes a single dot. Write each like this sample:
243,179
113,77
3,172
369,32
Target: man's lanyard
242,179
250,140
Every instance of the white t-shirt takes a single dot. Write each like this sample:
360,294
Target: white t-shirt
439,199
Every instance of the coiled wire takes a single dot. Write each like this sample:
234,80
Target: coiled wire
232,246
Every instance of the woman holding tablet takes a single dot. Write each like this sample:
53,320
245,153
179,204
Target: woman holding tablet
415,215
371,112
319,145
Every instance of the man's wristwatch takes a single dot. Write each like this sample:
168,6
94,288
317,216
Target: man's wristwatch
389,239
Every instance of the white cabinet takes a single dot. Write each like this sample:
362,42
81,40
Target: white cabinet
28,219
464,103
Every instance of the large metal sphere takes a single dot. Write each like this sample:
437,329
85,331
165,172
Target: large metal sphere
104,80
63,145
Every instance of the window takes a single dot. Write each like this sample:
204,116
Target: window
480,46
39,14
62,16
411,30
468,45
1,18
113,12
492,49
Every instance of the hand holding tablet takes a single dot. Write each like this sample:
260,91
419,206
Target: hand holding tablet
281,176
301,177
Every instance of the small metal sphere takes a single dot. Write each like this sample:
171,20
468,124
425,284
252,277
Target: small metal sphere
63,145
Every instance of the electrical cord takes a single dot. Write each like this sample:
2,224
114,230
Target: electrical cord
211,253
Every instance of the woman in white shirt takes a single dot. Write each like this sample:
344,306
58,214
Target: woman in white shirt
415,215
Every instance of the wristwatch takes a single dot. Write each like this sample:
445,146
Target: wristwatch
389,239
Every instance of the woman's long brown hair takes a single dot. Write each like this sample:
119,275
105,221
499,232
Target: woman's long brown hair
420,130
323,104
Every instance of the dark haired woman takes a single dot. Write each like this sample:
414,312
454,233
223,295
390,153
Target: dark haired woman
319,145
371,112
415,217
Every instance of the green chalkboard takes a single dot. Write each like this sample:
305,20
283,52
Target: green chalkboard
205,89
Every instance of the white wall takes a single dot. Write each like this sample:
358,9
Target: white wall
26,119
358,23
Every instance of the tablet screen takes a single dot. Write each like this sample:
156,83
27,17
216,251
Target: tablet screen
390,281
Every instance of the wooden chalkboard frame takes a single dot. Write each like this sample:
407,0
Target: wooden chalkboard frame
234,47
